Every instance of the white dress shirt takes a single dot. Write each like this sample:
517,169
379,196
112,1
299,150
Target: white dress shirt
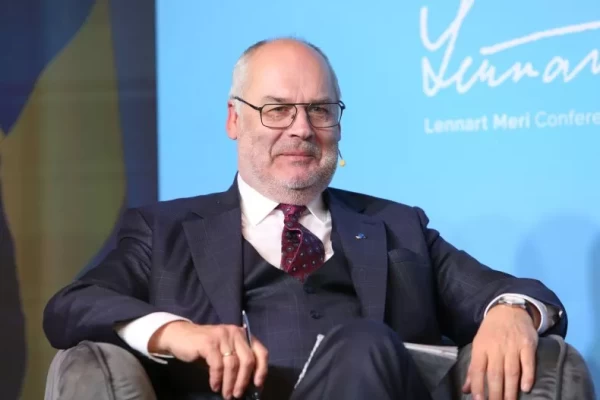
262,225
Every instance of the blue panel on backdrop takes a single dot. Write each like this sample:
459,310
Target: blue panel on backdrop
486,114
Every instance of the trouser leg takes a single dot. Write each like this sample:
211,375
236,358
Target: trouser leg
361,360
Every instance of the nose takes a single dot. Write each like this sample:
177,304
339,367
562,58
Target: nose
301,127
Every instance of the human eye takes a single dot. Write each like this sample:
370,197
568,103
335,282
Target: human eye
278,111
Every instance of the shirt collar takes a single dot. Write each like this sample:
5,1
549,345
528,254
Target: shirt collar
256,207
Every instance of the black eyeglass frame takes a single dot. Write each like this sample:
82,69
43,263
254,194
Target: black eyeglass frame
306,105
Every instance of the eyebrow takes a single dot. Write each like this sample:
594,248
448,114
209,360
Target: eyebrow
274,99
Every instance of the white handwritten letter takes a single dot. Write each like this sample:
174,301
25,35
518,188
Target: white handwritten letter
435,81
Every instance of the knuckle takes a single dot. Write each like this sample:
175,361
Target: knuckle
220,331
218,368
527,380
216,376
234,362
242,382
513,373
528,373
476,369
212,341
495,375
248,362
216,364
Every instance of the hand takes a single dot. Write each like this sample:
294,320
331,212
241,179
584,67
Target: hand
230,374
504,350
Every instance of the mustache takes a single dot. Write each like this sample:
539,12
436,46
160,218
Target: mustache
308,148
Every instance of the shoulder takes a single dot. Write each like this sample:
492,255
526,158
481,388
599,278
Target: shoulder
386,209
373,205
179,209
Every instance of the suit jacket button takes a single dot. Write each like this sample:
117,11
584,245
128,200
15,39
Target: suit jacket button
315,314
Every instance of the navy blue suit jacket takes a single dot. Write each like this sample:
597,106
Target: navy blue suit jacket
184,256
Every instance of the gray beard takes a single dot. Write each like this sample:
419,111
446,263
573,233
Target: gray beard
299,191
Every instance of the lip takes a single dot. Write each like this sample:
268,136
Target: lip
296,155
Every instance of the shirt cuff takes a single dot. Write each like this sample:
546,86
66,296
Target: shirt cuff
137,333
545,322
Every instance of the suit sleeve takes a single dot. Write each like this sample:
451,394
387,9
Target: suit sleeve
466,287
113,292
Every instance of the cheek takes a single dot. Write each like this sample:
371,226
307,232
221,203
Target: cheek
327,137
262,143
259,146
329,141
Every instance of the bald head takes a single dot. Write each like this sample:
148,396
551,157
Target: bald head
282,50
288,163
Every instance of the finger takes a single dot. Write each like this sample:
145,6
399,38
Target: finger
495,376
467,385
246,362
262,362
477,374
214,360
512,373
230,368
528,367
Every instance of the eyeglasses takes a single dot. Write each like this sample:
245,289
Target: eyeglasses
282,115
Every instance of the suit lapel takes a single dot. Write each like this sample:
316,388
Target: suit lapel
363,240
215,240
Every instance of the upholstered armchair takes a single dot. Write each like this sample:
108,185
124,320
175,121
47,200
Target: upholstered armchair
103,371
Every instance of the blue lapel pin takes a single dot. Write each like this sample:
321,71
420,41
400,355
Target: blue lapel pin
360,236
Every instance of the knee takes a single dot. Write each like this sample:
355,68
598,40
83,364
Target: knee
367,337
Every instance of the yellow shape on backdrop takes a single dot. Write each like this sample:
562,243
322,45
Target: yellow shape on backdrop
63,176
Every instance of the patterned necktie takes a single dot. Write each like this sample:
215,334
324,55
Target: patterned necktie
301,251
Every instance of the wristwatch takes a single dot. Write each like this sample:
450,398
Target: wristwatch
516,301
549,315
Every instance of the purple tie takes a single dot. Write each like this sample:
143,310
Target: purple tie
301,251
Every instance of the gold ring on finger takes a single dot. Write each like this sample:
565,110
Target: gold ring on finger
229,353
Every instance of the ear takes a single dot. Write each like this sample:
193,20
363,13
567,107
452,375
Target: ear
231,125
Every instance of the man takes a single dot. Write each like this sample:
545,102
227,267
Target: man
302,260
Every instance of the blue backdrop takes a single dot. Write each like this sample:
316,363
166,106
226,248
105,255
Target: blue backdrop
486,114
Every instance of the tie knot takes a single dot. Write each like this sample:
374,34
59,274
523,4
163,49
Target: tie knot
291,211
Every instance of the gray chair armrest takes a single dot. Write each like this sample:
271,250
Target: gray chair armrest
561,373
97,371
102,371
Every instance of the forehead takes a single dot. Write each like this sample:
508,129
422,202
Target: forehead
291,71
